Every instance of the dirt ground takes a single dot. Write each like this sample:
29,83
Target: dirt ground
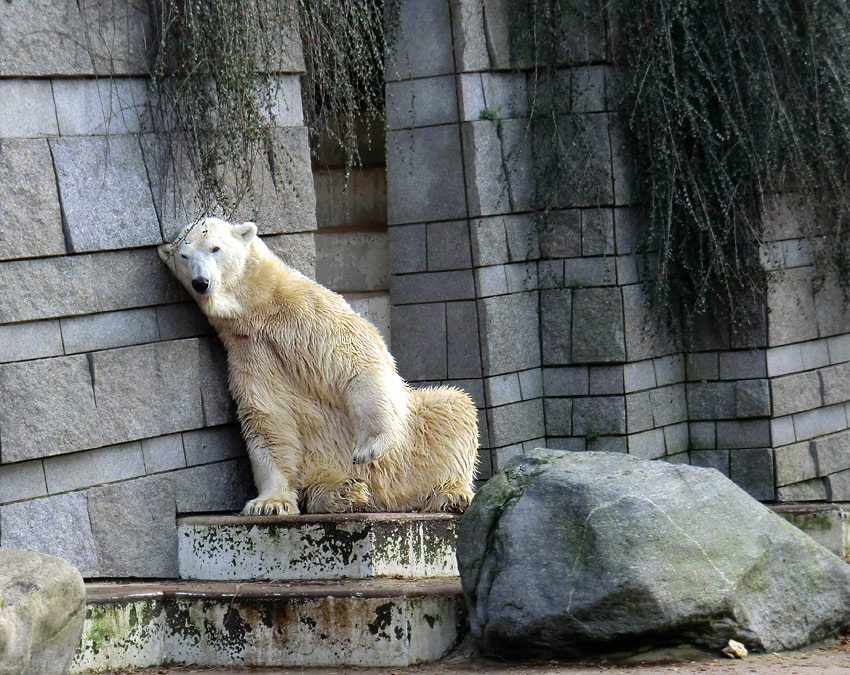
827,659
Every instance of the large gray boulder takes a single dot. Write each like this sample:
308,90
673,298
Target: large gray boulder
42,610
568,553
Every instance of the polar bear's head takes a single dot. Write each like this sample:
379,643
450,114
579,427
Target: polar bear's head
209,255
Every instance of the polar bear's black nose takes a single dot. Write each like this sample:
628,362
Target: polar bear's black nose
200,284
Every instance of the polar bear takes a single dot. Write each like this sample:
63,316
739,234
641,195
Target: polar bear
327,420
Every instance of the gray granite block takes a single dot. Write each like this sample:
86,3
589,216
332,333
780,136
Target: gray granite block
752,398
597,232
566,381
742,365
502,389
791,303
670,370
89,107
625,170
581,272
163,453
471,96
806,491
669,404
676,438
223,486
795,393
205,446
639,375
432,287
487,186
57,525
556,326
31,340
463,355
560,234
352,261
711,459
630,226
839,348
782,431
134,528
531,383
491,280
421,102
425,175
550,274
703,366
408,251
833,316
509,333
91,467
470,39
298,250
505,94
159,382
588,89
647,444
58,390
22,480
702,435
638,412
27,109
796,462
423,46
598,325
71,38
627,270
515,422
815,353
110,329
357,197
448,246
599,414
784,360
836,383
181,320
711,400
419,332
752,469
645,336
30,219
743,433
106,197
820,421
606,380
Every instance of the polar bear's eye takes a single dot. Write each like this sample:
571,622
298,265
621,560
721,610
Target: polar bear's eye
216,249
183,255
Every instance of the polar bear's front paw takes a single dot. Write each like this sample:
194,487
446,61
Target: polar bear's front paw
271,507
371,448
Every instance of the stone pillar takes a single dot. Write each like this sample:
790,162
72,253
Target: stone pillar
114,409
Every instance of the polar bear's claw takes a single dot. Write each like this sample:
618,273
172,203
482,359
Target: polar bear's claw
270,507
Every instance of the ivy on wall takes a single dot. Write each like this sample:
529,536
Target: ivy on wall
214,72
728,104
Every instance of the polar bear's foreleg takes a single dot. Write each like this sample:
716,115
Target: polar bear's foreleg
374,401
275,457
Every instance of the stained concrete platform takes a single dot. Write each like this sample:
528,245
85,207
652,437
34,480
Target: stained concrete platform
827,524
379,623
304,547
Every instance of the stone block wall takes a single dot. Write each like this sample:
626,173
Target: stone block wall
544,320
114,409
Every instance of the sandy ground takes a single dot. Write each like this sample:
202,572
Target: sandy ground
827,659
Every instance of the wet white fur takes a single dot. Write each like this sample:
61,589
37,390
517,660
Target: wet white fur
326,418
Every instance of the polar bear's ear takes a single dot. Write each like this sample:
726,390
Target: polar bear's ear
246,231
164,251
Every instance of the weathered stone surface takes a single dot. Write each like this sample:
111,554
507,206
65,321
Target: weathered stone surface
560,234
421,102
419,333
30,221
106,198
356,198
223,486
109,329
423,47
598,325
752,469
638,554
424,175
31,340
134,528
49,38
791,303
181,320
462,347
159,382
219,407
470,40
515,422
22,480
86,107
204,446
565,381
432,287
47,407
752,398
448,246
57,525
43,603
297,250
163,453
101,465
27,109
509,333
407,247
596,415
556,326
352,261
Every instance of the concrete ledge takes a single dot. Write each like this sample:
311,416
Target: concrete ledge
312,547
378,623
827,524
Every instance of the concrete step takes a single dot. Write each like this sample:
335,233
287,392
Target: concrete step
375,623
827,524
310,547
